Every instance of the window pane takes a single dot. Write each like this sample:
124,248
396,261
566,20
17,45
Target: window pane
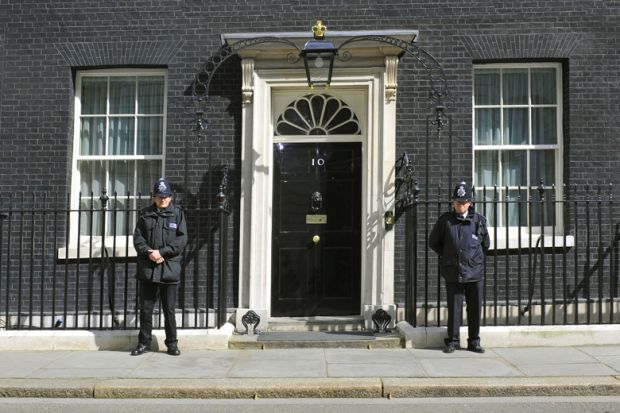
514,84
109,126
542,166
94,94
487,205
117,212
121,177
92,177
544,126
547,204
148,173
486,87
151,95
516,206
92,132
487,127
91,215
121,136
292,123
122,95
514,168
543,86
486,168
150,136
342,123
515,126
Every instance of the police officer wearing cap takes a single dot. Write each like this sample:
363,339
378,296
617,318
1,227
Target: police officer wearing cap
159,239
461,239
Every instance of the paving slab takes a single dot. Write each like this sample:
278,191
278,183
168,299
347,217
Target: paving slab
81,373
378,356
572,369
408,369
25,363
279,368
307,363
611,361
191,364
426,353
96,360
601,350
544,355
468,367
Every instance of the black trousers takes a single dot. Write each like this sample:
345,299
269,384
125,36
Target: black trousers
148,298
472,293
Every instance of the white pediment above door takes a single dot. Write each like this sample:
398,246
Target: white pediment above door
275,54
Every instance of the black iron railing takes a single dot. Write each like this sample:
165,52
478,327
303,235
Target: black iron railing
74,268
554,256
557,261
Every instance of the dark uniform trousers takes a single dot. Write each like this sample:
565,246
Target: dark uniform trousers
472,293
148,297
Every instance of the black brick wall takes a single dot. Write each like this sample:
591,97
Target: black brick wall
42,43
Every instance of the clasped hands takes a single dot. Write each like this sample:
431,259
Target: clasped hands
155,256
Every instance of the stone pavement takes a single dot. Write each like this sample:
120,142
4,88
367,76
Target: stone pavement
523,371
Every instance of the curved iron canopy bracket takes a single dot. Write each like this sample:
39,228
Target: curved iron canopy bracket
202,80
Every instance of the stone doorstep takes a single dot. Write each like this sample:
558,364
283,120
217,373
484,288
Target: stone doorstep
311,387
241,342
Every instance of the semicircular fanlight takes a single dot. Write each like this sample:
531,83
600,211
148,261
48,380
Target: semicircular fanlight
318,115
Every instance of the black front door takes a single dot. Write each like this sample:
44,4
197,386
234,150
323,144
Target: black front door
316,256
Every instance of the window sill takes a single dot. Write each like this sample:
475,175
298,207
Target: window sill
87,252
559,241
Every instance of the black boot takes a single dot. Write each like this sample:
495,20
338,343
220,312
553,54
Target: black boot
140,349
476,348
173,350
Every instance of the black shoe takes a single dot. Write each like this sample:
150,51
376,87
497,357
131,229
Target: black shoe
450,347
140,350
173,351
476,348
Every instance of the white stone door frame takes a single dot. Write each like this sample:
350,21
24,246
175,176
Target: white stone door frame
373,67
377,284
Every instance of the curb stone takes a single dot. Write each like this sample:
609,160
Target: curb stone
240,388
501,386
52,388
310,388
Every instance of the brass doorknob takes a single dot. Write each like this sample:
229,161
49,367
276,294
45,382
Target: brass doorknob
316,239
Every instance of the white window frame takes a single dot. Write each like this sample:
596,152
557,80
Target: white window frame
85,249
523,232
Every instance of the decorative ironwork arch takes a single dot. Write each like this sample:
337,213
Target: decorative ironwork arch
202,79
438,93
436,75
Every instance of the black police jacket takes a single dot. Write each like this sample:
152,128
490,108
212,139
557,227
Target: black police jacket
164,230
461,244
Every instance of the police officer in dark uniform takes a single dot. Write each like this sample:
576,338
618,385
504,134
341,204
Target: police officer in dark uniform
159,239
461,239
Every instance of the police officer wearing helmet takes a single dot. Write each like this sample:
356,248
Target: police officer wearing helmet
159,239
461,239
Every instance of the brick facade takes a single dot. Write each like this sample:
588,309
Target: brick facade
43,43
